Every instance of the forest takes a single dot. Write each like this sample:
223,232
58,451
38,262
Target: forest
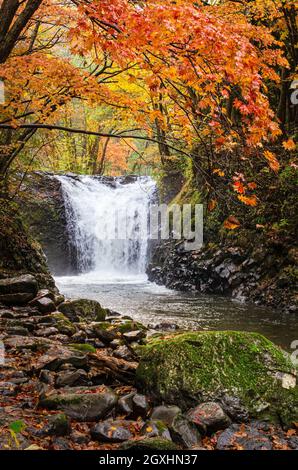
115,337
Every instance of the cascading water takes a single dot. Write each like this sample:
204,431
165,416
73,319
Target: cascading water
107,223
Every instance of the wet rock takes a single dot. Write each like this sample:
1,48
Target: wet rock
243,437
63,324
8,389
59,355
43,304
140,405
81,404
72,378
112,431
48,377
32,343
105,332
84,309
125,405
164,326
165,413
79,337
234,409
60,443
153,443
185,432
18,290
154,428
209,417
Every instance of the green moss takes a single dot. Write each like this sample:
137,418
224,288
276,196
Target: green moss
154,443
130,326
83,347
205,365
63,324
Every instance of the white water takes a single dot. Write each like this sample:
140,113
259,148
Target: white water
108,226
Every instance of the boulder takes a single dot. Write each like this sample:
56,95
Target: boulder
184,432
154,428
82,309
165,413
82,404
192,368
18,290
209,417
43,304
58,355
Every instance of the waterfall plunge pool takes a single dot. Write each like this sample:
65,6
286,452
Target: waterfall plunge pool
113,270
152,304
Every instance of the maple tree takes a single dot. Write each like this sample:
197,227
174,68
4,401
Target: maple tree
194,76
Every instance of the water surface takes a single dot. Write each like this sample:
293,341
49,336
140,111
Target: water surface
152,304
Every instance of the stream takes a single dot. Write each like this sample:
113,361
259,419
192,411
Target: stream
112,271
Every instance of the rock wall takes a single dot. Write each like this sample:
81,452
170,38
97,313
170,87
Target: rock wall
42,208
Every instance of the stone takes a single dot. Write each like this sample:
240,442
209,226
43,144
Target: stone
136,335
112,431
18,331
46,332
18,290
79,438
208,365
209,417
31,343
63,324
58,425
123,352
154,428
43,304
140,405
125,405
184,432
165,413
153,443
58,355
80,403
72,378
82,309
234,409
243,437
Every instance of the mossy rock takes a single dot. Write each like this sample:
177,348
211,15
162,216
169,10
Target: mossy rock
83,309
152,443
196,367
63,324
130,325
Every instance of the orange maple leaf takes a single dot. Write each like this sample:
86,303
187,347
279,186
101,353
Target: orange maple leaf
289,144
231,223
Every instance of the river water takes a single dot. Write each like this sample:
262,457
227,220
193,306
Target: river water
112,271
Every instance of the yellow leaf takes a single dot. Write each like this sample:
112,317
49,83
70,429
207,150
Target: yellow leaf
289,144
231,223
272,160
248,200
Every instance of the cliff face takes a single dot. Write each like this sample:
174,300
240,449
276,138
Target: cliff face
42,208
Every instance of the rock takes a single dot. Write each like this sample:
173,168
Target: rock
18,290
18,331
79,438
233,408
58,425
125,405
123,352
43,304
209,417
72,378
63,324
206,366
241,437
32,343
184,432
46,332
59,355
136,335
112,431
105,332
140,405
165,413
81,404
154,428
153,443
82,309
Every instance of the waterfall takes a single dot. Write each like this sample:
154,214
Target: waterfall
107,223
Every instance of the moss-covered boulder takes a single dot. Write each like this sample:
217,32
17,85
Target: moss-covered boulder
195,367
83,309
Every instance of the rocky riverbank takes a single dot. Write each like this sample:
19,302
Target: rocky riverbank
255,271
77,376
